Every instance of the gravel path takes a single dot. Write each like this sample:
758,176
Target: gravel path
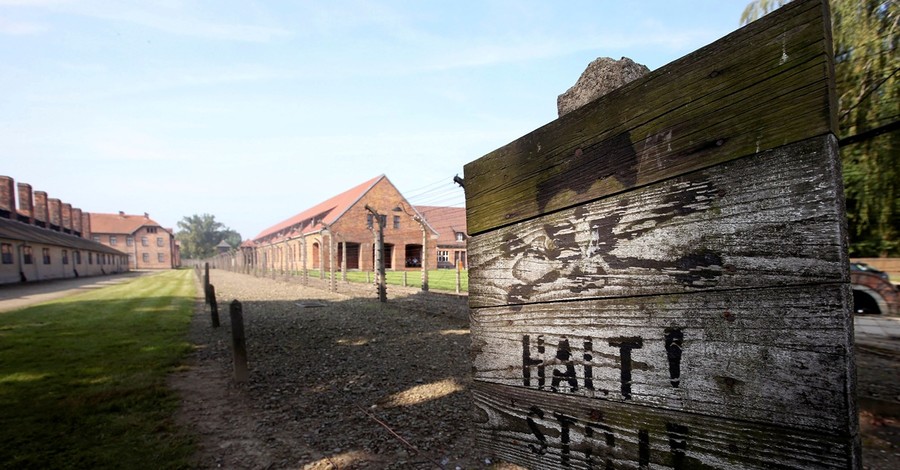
324,370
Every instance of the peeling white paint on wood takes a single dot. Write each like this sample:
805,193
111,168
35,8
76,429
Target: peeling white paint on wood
769,219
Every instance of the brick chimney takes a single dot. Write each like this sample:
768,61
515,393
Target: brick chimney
26,202
67,217
55,207
41,210
7,198
86,225
76,221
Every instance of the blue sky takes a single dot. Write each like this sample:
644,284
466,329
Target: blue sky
254,111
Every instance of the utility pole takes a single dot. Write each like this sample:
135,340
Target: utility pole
424,225
379,255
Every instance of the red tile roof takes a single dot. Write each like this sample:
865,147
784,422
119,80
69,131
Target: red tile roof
447,221
119,223
328,212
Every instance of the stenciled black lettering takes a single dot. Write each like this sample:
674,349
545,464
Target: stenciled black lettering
564,354
674,339
542,380
536,412
626,345
588,369
643,449
565,437
527,361
678,435
609,439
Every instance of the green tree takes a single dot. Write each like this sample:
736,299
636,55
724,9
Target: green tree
867,65
199,235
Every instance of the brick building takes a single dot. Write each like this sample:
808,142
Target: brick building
43,238
146,243
450,223
342,225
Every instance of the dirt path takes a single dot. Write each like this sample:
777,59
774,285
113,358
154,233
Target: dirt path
326,368
16,296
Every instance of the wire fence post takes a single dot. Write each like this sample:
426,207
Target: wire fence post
238,341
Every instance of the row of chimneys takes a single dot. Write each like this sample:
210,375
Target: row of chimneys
37,209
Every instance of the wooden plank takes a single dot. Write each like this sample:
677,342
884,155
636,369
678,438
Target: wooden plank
716,104
770,355
546,430
772,219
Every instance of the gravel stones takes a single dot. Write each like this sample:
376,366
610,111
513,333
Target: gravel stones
327,382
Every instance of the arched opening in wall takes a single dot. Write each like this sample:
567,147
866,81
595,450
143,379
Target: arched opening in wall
413,256
352,255
316,256
866,302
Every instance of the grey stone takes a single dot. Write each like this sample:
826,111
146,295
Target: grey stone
599,78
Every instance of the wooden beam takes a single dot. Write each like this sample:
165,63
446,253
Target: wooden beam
766,85
545,430
775,355
771,219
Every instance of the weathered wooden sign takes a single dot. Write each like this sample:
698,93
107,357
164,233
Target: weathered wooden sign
659,279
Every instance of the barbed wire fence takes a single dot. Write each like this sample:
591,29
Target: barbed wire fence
290,261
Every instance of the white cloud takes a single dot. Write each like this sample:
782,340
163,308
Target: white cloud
21,28
169,17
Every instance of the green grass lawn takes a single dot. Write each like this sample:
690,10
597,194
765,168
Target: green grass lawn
438,279
82,379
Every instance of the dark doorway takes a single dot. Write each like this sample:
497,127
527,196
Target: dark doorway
413,256
352,254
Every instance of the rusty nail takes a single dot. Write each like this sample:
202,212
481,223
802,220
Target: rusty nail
728,316
578,152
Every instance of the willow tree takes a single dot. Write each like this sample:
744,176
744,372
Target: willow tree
867,65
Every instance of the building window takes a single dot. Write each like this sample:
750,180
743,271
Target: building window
96,238
151,229
65,256
459,236
6,250
145,257
161,257
129,241
144,241
370,219
90,257
396,221
77,255
159,241
45,253
27,255
443,256
112,240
